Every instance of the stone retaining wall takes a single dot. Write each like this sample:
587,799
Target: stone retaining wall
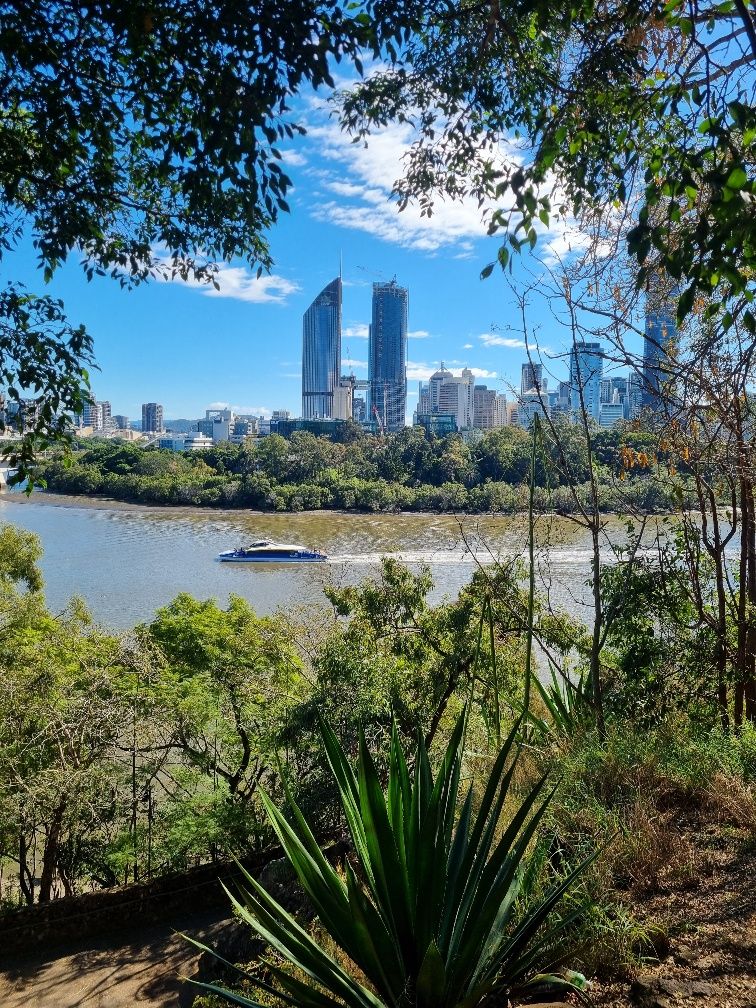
73,918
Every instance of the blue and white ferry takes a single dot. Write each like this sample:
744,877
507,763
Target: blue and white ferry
270,552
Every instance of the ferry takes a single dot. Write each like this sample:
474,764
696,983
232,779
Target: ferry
270,552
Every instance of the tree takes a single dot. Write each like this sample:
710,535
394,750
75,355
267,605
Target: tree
144,139
644,107
60,768
227,681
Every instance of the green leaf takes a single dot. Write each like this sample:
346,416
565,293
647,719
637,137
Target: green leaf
737,178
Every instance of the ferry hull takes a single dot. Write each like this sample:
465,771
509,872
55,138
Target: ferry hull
279,558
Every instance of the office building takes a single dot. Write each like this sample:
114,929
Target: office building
529,405
359,409
152,418
660,339
611,414
532,378
387,356
456,396
586,372
634,398
280,414
489,408
321,352
437,424
121,422
435,382
343,398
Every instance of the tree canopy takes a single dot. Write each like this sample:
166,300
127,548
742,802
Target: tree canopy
541,110
144,139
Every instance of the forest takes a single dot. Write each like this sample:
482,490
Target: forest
407,471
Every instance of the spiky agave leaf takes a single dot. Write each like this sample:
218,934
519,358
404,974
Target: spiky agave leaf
431,916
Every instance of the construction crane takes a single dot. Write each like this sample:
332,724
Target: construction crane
379,421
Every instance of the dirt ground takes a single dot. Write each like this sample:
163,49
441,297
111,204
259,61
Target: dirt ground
107,973
710,963
711,925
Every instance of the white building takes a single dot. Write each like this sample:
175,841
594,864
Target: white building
456,396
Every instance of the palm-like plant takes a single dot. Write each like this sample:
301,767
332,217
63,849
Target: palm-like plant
431,912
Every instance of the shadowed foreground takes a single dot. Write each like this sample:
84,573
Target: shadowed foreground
106,973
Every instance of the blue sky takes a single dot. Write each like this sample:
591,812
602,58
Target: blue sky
191,347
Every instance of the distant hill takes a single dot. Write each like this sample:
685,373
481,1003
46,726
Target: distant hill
180,426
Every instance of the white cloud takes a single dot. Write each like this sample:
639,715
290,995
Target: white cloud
422,372
348,362
419,334
236,282
467,346
358,331
293,158
419,372
262,411
363,177
489,340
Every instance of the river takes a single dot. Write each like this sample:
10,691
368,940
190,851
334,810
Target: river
126,561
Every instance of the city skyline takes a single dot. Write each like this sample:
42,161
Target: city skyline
194,347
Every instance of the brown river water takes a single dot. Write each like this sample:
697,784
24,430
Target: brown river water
126,561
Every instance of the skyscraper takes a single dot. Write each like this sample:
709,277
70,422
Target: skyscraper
152,418
532,378
586,370
387,355
661,335
321,352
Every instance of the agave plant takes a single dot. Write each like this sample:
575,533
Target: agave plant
567,703
430,912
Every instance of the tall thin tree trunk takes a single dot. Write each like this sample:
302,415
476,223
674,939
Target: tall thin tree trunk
25,877
749,671
50,854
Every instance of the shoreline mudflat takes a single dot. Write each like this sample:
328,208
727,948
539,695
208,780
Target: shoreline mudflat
112,504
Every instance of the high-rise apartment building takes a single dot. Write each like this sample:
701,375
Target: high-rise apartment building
456,396
532,378
321,352
660,337
387,355
586,371
89,413
152,418
490,408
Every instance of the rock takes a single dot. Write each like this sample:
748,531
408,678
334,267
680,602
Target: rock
672,987
643,986
700,989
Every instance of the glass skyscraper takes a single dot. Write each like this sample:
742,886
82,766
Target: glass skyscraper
586,372
387,356
661,335
321,352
